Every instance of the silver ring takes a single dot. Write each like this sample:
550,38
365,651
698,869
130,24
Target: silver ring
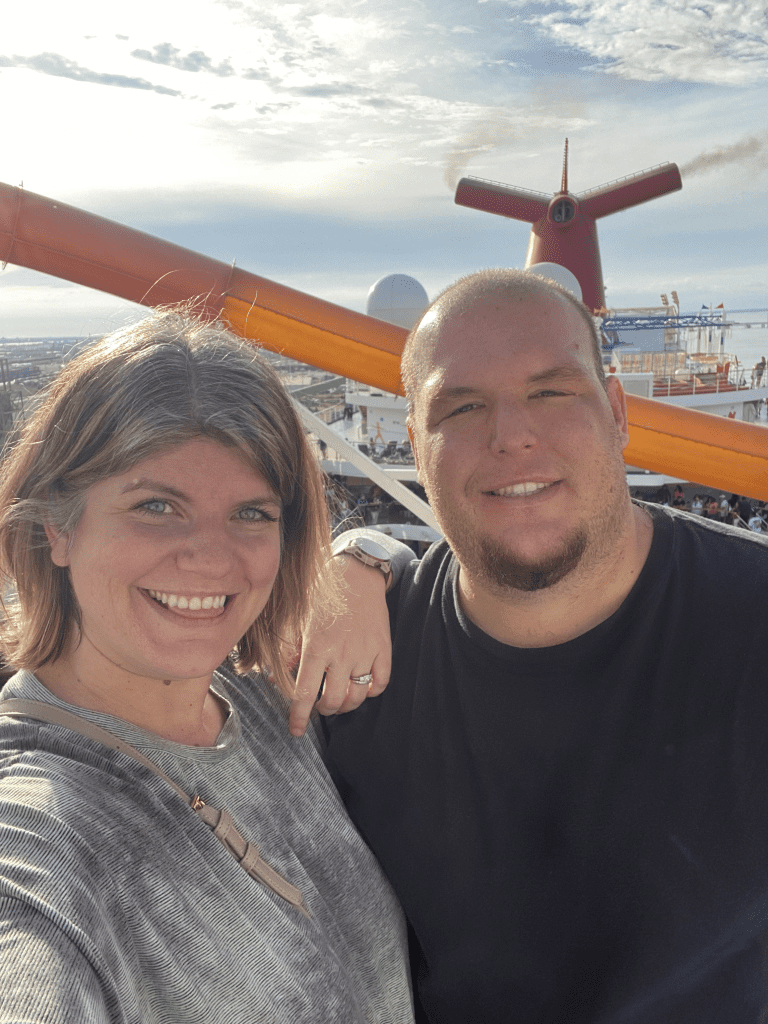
365,680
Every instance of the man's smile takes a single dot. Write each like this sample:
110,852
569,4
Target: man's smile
522,489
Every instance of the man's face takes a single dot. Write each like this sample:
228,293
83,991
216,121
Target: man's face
518,443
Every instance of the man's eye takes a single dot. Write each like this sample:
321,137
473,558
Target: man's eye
468,407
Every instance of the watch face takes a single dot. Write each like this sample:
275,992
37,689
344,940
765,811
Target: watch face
370,547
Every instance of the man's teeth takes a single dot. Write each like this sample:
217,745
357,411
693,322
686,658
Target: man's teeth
194,604
515,489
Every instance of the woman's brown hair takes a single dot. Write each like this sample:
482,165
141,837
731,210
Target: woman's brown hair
140,391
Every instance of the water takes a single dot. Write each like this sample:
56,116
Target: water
749,344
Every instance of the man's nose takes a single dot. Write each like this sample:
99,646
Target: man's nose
511,427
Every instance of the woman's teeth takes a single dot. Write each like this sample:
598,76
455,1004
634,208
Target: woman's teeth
194,604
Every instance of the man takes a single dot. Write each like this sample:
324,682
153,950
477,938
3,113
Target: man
566,778
741,511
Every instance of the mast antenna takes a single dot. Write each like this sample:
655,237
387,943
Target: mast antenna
564,183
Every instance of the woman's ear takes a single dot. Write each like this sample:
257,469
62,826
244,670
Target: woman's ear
59,546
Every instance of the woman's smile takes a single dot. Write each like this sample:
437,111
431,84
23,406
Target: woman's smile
182,602
172,561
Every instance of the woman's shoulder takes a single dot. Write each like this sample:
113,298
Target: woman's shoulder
56,813
263,709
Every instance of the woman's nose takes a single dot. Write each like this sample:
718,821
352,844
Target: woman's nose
206,550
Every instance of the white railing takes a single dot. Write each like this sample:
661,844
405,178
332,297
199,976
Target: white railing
510,188
617,181
691,383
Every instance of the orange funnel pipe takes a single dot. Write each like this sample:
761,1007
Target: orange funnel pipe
61,240
727,455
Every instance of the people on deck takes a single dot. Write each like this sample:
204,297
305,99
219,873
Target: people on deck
565,780
168,853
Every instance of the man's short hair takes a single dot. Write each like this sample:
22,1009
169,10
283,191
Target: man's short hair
467,291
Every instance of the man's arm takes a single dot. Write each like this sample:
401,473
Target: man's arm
354,642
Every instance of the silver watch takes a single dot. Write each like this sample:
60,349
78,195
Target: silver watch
369,552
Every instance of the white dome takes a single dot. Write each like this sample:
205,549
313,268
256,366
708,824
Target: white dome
560,275
398,299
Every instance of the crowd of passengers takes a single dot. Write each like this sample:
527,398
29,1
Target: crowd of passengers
736,510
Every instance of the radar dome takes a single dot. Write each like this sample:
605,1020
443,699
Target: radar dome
560,275
398,299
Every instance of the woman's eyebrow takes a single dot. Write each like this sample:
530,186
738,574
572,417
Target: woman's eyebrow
145,484
158,487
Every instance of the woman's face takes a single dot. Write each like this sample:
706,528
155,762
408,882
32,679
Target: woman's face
172,561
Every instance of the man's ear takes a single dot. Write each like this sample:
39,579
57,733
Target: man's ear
415,450
59,546
618,401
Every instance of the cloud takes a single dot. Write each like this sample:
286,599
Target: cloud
272,108
276,72
260,75
382,102
657,40
325,90
62,67
196,61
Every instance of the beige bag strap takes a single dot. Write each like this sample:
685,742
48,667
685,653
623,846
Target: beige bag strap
221,822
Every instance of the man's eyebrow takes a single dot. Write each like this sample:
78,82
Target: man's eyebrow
457,391
561,373
558,373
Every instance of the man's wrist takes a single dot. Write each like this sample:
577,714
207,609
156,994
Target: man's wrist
368,552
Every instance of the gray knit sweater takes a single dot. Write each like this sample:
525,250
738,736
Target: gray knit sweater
117,903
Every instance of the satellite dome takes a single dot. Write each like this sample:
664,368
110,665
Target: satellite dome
398,299
560,275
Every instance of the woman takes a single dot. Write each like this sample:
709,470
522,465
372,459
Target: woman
162,527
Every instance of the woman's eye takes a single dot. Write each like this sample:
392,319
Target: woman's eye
156,506
253,514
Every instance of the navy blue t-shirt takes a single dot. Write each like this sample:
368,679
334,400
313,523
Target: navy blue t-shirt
579,833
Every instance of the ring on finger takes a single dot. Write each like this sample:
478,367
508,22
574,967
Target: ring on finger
364,680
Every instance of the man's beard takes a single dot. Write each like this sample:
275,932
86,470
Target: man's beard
500,568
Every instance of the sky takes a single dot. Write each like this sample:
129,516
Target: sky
318,143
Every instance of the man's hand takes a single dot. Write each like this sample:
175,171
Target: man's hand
356,642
